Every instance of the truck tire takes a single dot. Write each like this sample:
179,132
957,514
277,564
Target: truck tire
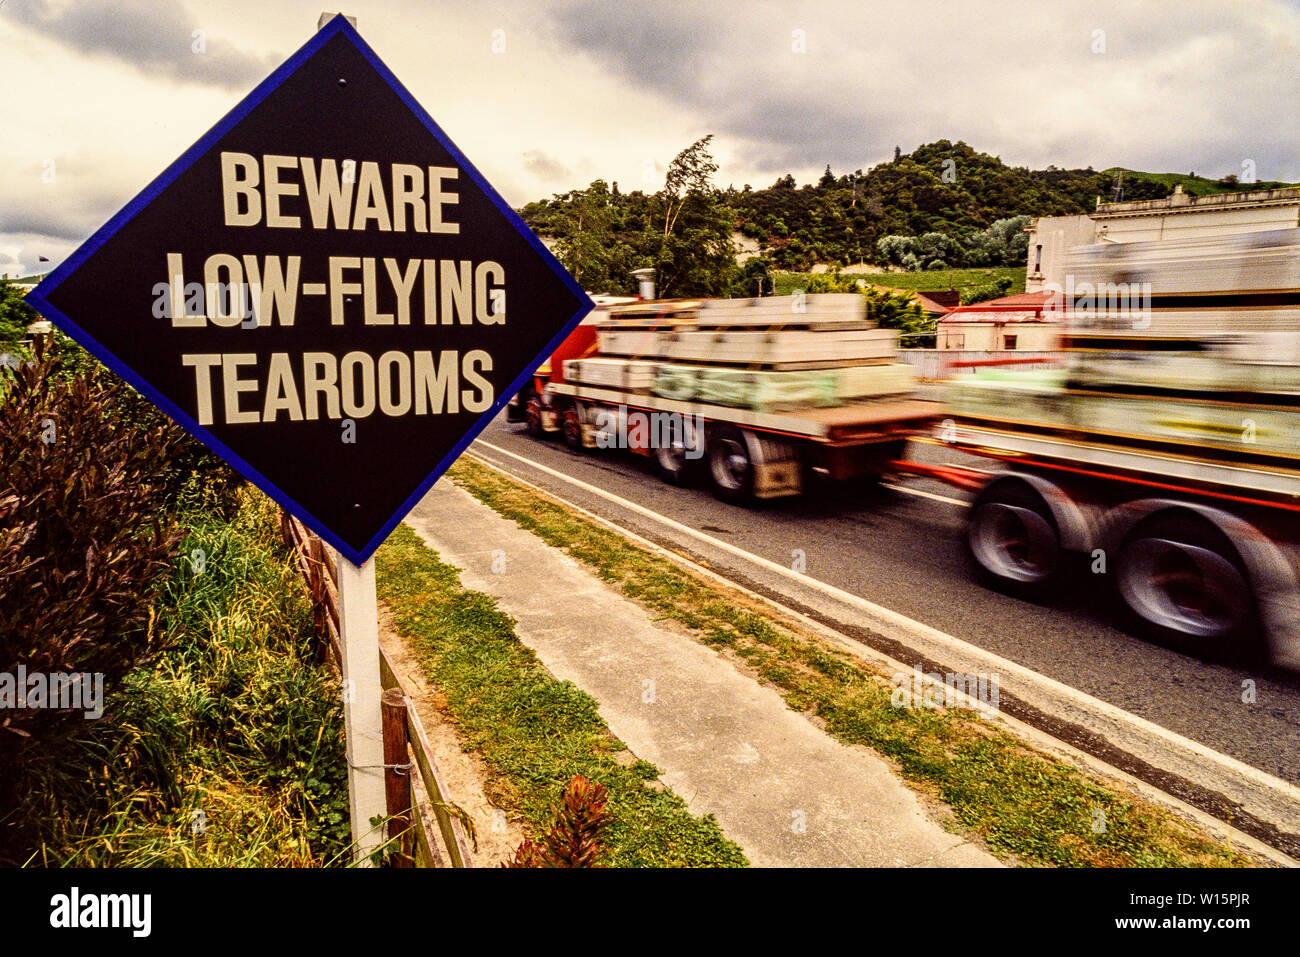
1182,584
1013,541
517,408
533,417
731,468
673,461
571,420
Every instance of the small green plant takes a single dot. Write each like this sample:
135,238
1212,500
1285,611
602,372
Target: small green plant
577,837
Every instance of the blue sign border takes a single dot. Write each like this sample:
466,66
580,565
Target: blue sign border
37,297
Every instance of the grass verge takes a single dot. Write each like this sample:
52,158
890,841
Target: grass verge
965,281
235,721
533,731
1026,806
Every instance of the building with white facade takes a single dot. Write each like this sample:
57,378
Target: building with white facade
1178,216
1019,323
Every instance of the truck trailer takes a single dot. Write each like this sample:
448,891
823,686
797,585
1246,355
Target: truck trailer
754,394
1163,449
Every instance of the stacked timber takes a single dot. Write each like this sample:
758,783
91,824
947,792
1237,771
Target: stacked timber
1178,348
779,349
776,391
1172,317
630,375
770,354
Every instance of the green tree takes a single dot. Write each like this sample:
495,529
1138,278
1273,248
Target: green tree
583,227
756,270
694,256
901,311
15,316
894,249
938,248
1004,243
690,175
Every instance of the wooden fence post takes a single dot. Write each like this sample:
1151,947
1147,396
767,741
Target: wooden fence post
397,780
316,582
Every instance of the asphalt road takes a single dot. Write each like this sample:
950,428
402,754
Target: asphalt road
902,550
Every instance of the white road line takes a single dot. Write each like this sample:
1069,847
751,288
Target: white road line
946,499
902,622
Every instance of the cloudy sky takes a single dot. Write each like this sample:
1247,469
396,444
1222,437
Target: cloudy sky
544,96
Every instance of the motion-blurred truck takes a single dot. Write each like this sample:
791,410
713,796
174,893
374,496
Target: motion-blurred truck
1163,450
757,394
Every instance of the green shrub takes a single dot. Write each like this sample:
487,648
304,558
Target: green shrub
15,317
84,538
215,702
1000,287
235,719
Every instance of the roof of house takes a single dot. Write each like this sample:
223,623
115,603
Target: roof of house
1022,307
938,301
944,297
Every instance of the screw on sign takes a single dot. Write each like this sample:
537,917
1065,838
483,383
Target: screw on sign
324,262
324,253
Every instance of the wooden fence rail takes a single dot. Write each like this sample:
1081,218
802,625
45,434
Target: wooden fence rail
439,834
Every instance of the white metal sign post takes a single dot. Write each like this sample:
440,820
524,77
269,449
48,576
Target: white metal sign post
359,630
362,688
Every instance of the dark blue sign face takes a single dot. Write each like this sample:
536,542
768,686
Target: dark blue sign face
324,291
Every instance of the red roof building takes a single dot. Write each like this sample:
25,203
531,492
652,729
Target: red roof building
1022,322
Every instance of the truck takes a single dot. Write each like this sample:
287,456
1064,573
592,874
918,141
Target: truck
756,395
1162,450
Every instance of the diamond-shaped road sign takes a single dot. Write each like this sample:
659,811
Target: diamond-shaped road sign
324,291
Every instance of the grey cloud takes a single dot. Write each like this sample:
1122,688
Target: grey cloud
544,166
78,201
32,246
1201,89
73,221
156,38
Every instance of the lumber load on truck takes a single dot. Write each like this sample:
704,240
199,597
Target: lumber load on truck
778,349
1197,363
768,355
631,375
779,391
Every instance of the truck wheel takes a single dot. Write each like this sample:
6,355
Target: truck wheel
1014,542
571,427
533,418
730,466
675,464
1182,584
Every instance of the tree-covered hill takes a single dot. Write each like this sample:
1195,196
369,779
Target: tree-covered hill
942,205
